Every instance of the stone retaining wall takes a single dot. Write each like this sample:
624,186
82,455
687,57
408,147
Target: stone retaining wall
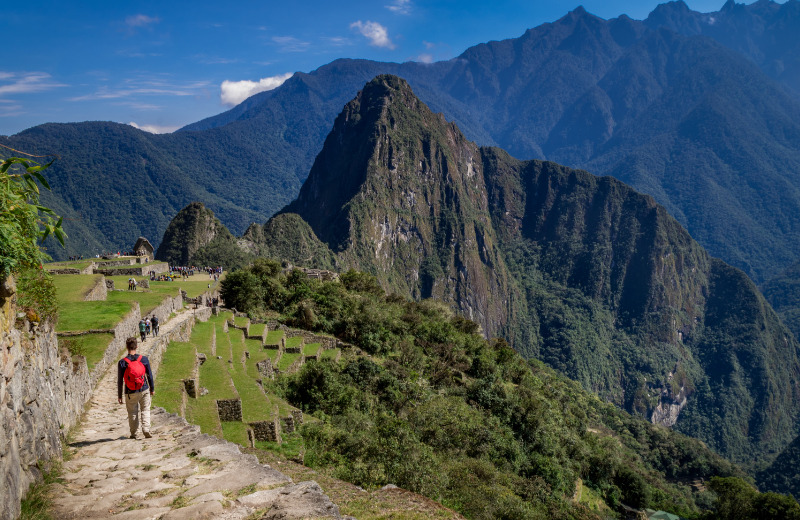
42,394
99,292
135,271
128,327
229,409
268,431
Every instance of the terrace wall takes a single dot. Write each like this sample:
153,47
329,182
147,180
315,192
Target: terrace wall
99,292
42,394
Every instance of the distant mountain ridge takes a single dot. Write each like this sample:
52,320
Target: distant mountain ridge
657,104
581,272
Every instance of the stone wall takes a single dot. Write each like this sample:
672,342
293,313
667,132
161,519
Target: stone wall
135,271
66,270
268,431
229,409
42,394
99,292
128,327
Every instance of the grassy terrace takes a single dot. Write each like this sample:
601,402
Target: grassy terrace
91,346
330,353
257,329
78,316
287,360
273,337
241,322
272,354
311,349
175,367
224,380
296,341
74,287
254,403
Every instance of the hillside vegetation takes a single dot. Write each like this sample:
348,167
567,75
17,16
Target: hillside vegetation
432,406
581,272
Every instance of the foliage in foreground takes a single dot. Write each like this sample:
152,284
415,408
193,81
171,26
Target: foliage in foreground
23,224
435,408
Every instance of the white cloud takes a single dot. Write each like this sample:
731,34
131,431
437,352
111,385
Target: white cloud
336,41
400,6
147,86
376,33
141,20
425,58
26,82
291,44
234,92
155,129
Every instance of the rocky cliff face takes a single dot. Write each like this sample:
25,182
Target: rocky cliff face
42,394
194,227
399,192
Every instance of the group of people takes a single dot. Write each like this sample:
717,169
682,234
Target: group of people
187,271
76,257
147,326
132,284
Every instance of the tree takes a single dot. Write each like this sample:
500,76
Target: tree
23,221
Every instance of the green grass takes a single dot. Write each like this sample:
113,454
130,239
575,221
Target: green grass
254,404
74,287
273,337
91,346
235,432
330,353
176,366
257,329
311,349
240,321
203,412
194,287
273,355
148,300
38,501
287,360
291,447
79,316
296,341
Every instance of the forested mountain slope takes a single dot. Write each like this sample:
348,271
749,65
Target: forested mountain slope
694,123
596,280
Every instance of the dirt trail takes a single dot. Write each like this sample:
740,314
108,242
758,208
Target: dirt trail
178,474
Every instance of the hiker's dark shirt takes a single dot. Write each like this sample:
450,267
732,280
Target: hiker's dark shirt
122,365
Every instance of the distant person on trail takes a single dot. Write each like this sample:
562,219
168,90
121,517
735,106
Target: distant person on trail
147,325
136,378
155,325
142,329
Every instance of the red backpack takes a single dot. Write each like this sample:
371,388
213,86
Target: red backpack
134,374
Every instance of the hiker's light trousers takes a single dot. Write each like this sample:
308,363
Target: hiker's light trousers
138,404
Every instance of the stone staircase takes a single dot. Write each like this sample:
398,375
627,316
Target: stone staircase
180,473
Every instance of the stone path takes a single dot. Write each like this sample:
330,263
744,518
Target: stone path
178,474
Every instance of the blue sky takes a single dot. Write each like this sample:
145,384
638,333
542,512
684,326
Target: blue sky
161,65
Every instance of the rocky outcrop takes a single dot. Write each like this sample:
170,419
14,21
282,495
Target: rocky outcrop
192,228
42,394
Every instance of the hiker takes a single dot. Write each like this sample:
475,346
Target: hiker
134,374
147,325
142,329
155,325
130,284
